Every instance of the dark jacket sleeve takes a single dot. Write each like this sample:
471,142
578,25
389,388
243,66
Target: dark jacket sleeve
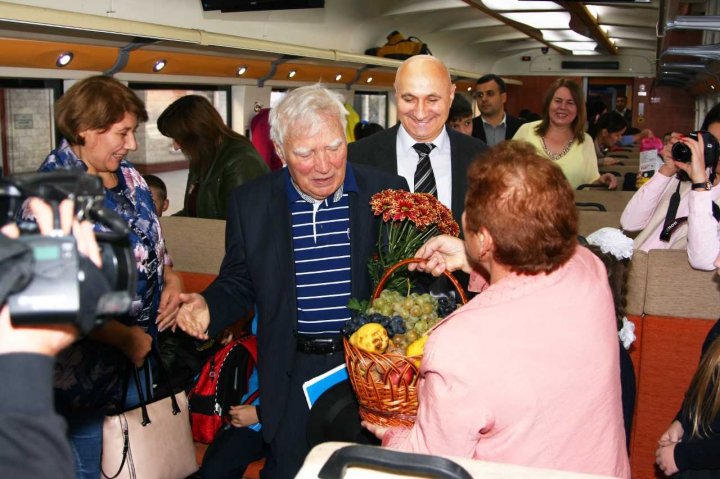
32,436
699,453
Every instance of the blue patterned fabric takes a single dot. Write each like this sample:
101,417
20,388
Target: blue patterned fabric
132,200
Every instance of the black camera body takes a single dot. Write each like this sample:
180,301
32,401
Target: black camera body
681,152
65,287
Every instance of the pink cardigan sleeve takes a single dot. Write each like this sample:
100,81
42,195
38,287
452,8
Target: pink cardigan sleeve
640,208
443,426
703,236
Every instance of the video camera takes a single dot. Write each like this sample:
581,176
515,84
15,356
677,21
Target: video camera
681,152
65,287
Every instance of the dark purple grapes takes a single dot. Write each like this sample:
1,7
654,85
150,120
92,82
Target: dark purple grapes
446,305
394,325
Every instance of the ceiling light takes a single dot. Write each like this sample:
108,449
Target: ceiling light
469,88
576,46
369,80
338,77
517,5
241,70
540,20
712,87
593,11
159,65
564,36
64,59
292,73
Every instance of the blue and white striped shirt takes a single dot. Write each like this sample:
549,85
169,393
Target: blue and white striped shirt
321,245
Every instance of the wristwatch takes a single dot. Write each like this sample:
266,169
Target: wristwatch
707,186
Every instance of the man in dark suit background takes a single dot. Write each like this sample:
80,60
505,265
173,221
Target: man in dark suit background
621,107
423,93
289,238
494,125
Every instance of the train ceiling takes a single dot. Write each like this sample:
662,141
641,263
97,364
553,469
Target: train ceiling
510,37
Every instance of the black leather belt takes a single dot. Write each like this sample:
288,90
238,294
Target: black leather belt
319,345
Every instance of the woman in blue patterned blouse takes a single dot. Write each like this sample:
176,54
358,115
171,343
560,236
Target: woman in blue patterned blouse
97,118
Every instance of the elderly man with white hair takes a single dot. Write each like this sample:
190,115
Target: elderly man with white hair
297,245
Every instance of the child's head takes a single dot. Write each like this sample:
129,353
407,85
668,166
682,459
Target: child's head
460,117
159,193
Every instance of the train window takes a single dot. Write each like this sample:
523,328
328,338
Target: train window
155,152
26,122
372,106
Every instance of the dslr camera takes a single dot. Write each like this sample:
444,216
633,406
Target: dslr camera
681,152
62,286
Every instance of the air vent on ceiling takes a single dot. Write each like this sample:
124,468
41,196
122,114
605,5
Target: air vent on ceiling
588,65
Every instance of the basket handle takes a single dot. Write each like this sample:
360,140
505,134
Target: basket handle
381,284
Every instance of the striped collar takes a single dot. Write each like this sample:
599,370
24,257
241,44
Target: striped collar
294,193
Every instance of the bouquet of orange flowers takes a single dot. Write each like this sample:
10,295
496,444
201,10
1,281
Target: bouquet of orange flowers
408,221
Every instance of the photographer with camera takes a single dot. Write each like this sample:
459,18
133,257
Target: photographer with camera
33,443
98,117
677,208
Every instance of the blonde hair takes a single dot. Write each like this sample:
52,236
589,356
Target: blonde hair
702,405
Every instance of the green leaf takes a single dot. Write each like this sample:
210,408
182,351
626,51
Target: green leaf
359,306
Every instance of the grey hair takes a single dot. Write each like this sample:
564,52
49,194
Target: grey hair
305,105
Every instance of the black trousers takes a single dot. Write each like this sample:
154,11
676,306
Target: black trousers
290,445
231,452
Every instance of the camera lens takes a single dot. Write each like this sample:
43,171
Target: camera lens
681,152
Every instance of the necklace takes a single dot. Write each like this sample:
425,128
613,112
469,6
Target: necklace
556,156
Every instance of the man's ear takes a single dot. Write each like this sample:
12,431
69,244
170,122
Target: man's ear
280,153
165,205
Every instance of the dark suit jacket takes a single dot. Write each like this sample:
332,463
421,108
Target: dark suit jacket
511,127
380,150
258,271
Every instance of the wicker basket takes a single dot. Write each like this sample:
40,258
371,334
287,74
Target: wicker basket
386,384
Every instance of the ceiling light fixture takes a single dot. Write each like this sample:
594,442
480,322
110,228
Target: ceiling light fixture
159,65
64,59
518,5
338,77
241,70
369,80
292,73
541,20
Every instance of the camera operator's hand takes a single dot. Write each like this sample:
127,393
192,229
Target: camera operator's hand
668,168
48,339
194,315
696,168
169,300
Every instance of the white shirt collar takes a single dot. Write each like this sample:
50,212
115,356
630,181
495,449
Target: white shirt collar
407,141
499,124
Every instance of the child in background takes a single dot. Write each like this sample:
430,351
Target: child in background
159,193
691,445
461,115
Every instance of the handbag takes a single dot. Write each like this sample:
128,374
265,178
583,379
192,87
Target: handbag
151,441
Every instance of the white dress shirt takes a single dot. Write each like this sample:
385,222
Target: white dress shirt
407,160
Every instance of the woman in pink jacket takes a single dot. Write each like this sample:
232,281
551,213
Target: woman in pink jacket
694,226
527,372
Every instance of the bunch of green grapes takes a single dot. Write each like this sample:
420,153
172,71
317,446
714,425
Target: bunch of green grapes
419,311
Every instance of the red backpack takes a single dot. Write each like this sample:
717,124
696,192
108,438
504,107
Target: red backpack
222,383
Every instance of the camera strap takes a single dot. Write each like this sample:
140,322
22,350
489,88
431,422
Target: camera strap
672,223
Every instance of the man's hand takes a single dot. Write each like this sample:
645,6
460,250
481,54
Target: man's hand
48,339
442,253
243,415
194,316
169,300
